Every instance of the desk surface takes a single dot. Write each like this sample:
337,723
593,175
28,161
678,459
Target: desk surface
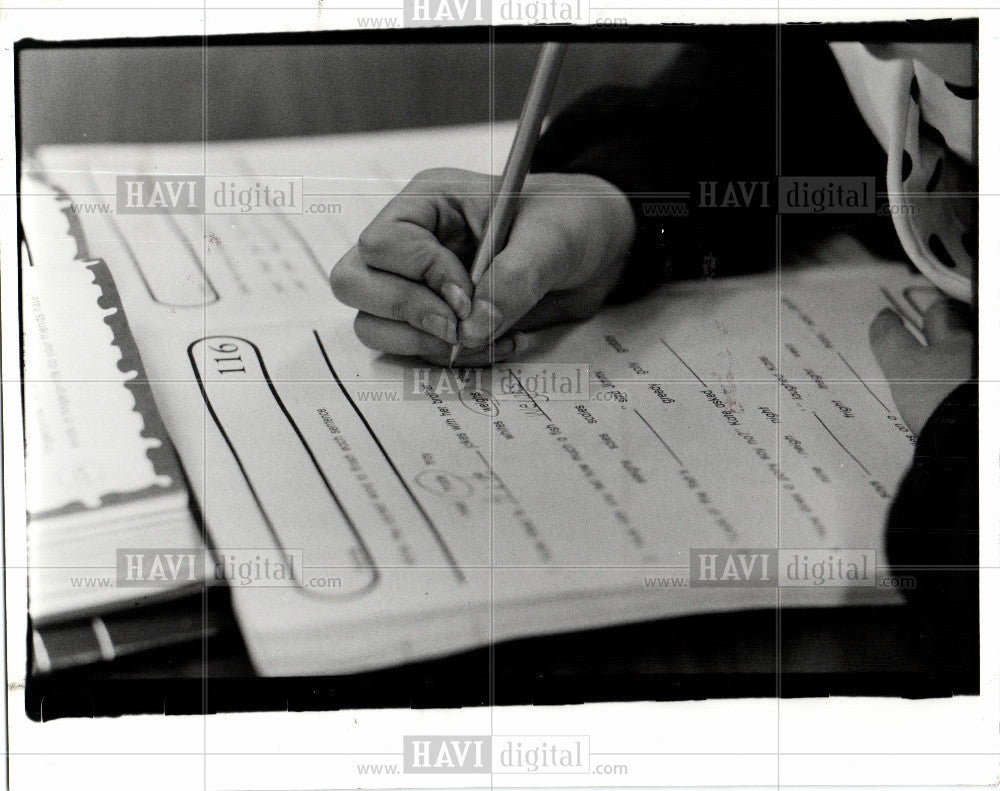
880,651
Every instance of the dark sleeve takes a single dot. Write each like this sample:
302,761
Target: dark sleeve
932,534
696,153
708,117
934,519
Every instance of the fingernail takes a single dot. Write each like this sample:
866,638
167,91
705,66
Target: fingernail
481,324
440,327
488,355
457,300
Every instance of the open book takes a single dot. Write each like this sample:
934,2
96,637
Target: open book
716,445
101,472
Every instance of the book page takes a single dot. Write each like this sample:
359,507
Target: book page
101,474
714,446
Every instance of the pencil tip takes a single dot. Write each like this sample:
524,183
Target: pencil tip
454,355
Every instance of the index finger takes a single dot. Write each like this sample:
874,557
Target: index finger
422,231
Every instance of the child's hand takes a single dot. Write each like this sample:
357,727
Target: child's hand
408,277
921,377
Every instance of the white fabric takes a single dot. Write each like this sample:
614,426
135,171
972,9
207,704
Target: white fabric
903,98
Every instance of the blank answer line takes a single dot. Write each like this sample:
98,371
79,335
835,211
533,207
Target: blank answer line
445,549
864,383
500,481
657,435
675,354
842,445
525,391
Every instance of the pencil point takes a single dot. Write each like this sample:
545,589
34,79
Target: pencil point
454,355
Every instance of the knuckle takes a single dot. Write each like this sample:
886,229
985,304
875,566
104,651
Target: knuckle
364,329
404,306
341,283
436,273
429,174
372,243
398,311
430,178
447,181
438,174
417,260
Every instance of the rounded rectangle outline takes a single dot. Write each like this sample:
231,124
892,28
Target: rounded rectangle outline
375,573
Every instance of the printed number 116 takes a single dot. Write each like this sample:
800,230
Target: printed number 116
228,348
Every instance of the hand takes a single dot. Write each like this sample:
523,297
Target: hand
921,377
408,275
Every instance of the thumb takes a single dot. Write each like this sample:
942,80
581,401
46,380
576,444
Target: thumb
534,261
891,342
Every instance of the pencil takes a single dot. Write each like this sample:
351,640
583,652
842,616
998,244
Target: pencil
536,105
915,329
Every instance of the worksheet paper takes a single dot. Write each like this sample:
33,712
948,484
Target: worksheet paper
672,456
